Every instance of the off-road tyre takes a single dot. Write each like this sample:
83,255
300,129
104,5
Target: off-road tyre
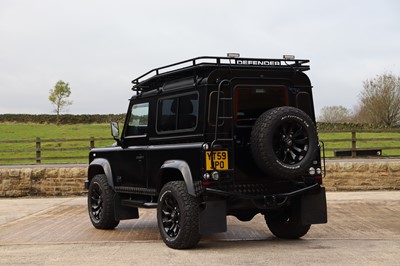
284,142
101,203
178,216
286,225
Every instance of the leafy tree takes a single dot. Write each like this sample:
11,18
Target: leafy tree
380,100
59,97
334,114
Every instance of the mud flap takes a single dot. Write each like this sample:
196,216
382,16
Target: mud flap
313,208
213,217
124,212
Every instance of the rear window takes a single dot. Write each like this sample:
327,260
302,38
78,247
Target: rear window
252,101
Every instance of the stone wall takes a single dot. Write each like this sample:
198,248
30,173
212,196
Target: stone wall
355,175
42,181
68,181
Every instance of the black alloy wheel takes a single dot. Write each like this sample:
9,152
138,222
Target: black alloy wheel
101,204
96,202
284,142
178,216
171,215
290,142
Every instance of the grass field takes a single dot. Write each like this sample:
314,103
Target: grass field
12,131
392,141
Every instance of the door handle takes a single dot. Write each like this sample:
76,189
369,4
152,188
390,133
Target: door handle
140,157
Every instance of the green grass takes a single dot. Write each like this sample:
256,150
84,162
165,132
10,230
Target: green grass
16,131
386,145
11,131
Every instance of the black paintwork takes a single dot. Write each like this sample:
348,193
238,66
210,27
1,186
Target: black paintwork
137,167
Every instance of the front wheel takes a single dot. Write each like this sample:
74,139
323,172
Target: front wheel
178,216
100,203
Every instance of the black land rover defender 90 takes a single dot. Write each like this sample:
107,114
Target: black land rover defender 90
210,137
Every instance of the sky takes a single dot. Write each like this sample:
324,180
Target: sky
99,46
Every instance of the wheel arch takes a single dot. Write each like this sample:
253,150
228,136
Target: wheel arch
101,166
175,170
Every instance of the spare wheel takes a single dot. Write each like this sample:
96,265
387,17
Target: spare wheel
284,142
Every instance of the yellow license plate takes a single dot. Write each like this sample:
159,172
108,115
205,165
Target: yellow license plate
220,160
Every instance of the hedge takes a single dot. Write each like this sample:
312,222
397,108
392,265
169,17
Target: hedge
347,126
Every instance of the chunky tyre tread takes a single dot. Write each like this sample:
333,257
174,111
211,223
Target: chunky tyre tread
262,142
188,235
107,219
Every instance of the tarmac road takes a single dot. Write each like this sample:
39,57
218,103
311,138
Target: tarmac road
363,229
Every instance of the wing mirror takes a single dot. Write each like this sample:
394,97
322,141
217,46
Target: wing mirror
115,130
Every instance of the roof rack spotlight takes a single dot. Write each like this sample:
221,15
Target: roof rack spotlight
233,55
288,57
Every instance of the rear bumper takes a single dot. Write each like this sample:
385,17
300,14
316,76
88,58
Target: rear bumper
310,203
270,201
298,192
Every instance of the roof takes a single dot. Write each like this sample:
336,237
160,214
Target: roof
208,63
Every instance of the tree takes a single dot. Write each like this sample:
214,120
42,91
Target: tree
380,100
58,97
334,114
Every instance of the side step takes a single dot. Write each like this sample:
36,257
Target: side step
139,204
136,190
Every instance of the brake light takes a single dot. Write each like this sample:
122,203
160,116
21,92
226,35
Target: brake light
318,179
205,183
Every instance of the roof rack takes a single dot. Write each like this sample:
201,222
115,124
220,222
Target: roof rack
139,84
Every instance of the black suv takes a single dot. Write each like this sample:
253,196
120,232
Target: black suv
210,137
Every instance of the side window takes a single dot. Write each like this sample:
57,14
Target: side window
188,111
178,113
167,115
138,120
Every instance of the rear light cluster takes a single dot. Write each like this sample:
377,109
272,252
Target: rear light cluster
314,171
214,176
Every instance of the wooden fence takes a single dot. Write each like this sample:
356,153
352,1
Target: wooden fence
38,150
386,143
359,143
